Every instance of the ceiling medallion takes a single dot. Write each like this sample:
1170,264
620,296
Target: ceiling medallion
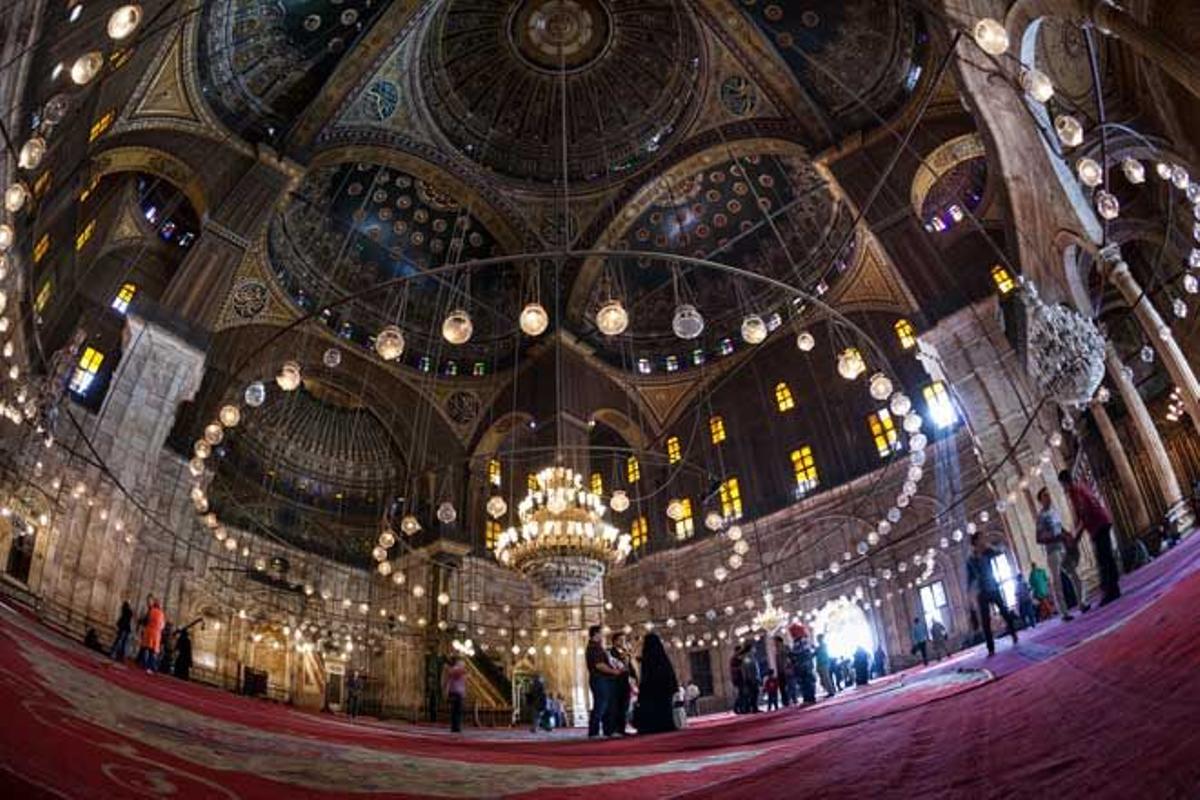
563,544
553,34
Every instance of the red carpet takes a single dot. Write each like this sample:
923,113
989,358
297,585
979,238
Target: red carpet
1105,706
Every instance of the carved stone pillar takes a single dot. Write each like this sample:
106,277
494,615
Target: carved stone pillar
1116,451
1174,361
1178,509
92,554
1152,45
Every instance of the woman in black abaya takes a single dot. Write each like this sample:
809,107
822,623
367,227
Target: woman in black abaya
656,689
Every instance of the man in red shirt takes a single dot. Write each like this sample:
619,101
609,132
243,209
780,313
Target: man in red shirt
1094,518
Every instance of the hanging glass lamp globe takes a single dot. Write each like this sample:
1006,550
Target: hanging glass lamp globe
496,507
612,319
675,510
805,341
990,36
289,376
534,319
230,415
214,433
1037,85
124,21
255,395
457,327
880,386
850,363
619,501
389,344
713,521
1090,173
32,153
7,237
86,67
900,404
15,197
409,525
734,533
754,329
912,422
387,539
331,358
687,323
446,513
1135,173
1069,131
385,568
379,553
202,448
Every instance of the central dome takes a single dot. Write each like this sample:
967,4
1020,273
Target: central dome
496,71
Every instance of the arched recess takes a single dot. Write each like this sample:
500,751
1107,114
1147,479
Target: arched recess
160,164
620,422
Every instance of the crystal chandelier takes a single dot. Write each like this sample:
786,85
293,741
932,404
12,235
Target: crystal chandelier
563,545
1065,350
771,618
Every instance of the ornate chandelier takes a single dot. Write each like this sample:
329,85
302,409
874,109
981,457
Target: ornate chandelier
563,544
1065,350
771,618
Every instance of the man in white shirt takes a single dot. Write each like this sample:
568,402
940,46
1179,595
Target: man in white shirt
1062,553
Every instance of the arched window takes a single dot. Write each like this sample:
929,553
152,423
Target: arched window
906,334
940,405
85,372
1003,279
883,431
597,483
637,533
674,451
633,470
685,526
731,499
491,531
783,397
804,468
716,428
124,297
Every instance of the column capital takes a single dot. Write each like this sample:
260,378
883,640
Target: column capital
1110,256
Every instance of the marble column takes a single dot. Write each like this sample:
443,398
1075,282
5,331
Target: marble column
1155,46
1173,359
1178,509
1120,459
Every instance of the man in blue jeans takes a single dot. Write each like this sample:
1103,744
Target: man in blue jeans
602,677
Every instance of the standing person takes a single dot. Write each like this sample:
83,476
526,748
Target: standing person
735,678
824,665
940,638
1094,518
920,638
621,657
880,663
124,627
1039,586
771,687
1025,607
454,683
166,651
655,710
802,665
1062,555
693,699
354,689
862,667
987,591
536,697
602,678
151,640
751,685
183,656
783,666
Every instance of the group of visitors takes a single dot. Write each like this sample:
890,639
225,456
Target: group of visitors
645,693
798,669
161,648
924,635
